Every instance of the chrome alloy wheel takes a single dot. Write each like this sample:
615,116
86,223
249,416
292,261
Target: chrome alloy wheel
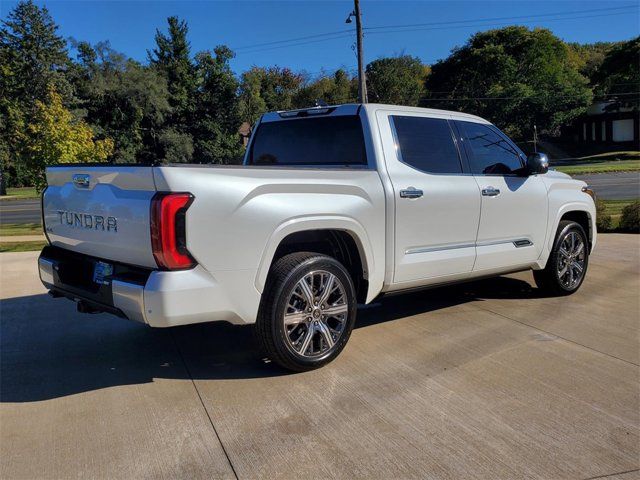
316,314
571,260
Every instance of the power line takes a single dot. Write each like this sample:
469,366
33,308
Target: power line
296,44
340,34
495,24
466,99
293,39
574,12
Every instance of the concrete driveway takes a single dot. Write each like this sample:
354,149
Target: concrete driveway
485,380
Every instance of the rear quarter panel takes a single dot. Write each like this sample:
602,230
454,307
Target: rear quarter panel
240,215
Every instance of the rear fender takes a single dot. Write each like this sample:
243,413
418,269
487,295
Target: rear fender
347,224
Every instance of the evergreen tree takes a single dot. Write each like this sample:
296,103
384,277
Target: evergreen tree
217,116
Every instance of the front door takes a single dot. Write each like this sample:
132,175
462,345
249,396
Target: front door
513,220
437,206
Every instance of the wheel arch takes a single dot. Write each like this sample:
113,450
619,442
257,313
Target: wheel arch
581,213
340,237
582,218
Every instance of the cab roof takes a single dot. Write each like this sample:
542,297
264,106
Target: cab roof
371,108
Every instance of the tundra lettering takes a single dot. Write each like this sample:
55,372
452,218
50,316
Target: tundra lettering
332,207
85,220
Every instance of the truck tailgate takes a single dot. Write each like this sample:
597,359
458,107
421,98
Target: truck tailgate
101,211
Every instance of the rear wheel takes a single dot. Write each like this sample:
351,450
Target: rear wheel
567,264
307,311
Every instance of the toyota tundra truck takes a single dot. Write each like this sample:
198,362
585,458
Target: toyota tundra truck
332,207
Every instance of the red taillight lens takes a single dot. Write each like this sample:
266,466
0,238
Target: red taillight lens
168,233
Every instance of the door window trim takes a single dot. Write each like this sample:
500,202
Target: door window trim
398,148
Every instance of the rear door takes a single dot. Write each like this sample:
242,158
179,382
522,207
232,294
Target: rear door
513,221
101,211
437,206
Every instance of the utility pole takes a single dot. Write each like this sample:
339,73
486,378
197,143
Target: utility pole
362,81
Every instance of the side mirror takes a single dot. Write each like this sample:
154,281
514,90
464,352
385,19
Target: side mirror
537,163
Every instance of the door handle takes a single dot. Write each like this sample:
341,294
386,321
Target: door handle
411,193
490,192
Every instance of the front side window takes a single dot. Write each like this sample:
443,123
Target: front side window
426,144
490,153
325,141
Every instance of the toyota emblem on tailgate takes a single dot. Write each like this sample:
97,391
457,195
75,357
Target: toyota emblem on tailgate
81,180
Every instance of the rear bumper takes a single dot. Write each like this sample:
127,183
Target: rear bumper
157,298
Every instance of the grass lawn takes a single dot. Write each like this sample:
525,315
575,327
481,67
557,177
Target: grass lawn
604,167
12,229
21,246
22,193
603,163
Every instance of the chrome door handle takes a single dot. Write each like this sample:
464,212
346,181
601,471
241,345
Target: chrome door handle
411,193
490,192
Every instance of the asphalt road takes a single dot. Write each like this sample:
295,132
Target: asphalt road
19,211
486,380
608,186
614,186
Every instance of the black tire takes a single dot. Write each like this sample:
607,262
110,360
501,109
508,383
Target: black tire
272,334
549,280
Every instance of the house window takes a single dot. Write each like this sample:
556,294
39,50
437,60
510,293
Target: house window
622,130
604,131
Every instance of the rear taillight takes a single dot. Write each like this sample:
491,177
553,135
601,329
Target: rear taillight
168,232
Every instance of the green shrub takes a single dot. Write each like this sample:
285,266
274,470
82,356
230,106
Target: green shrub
630,219
603,219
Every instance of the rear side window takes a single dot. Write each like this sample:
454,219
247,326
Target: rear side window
427,144
310,141
490,153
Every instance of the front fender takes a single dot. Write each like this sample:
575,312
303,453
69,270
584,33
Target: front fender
586,206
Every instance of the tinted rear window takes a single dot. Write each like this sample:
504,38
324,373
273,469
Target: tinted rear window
310,141
427,144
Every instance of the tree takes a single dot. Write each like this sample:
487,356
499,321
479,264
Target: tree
217,112
54,137
515,77
618,77
172,58
396,80
267,89
32,56
126,102
331,89
588,57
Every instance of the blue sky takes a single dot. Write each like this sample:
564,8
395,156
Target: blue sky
130,26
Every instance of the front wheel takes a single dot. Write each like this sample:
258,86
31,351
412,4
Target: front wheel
307,311
567,264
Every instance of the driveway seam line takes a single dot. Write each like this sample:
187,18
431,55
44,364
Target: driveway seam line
195,387
559,336
612,474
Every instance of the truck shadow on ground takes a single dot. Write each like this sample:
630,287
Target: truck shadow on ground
47,350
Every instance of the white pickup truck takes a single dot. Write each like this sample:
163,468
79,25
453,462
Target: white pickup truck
334,206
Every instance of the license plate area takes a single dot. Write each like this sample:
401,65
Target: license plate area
102,273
